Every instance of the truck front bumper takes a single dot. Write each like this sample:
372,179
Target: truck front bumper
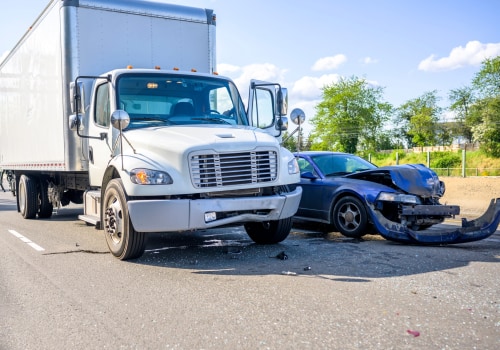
185,214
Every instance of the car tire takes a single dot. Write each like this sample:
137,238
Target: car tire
350,217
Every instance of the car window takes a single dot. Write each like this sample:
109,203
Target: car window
305,166
341,164
330,164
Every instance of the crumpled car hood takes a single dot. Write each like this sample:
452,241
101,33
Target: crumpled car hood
416,179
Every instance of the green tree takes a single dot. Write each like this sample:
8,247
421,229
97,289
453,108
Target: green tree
349,117
488,131
461,102
486,110
293,142
487,80
417,120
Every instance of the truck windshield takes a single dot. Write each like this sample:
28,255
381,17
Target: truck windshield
164,99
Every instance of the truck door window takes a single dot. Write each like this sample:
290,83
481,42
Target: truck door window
262,111
102,110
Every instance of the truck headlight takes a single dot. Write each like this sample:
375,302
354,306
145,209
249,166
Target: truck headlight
293,166
150,177
398,197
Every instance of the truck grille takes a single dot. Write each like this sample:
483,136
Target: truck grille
229,169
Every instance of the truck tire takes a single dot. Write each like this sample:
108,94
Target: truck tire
350,217
269,232
27,197
45,206
122,239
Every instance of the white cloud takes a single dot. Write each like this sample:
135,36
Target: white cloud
309,88
369,60
472,54
329,63
227,69
242,75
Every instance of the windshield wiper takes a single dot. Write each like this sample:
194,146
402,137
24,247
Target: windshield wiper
212,119
337,173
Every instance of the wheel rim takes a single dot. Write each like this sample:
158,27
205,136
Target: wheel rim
22,197
114,220
349,217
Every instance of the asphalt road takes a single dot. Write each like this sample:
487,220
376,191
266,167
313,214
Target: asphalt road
61,289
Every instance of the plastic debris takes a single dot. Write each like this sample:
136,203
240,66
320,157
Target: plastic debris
414,333
289,273
282,256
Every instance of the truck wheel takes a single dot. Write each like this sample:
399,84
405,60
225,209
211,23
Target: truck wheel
45,208
28,204
350,217
269,232
123,241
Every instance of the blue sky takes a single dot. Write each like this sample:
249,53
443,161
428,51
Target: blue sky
408,47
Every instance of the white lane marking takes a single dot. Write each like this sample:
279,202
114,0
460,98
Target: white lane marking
27,241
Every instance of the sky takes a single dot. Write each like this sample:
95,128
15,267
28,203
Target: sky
406,47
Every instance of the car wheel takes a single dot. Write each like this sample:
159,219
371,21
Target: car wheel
350,217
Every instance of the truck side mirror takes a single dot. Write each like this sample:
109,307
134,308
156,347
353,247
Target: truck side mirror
282,123
282,101
75,121
298,116
120,119
77,96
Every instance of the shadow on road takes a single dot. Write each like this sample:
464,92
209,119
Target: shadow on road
306,253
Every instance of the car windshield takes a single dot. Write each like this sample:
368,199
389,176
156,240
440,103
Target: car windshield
171,99
341,164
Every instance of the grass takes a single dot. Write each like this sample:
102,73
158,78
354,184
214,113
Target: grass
445,163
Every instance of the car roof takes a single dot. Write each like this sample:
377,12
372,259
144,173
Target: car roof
313,153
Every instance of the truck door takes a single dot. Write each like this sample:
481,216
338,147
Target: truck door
100,151
266,104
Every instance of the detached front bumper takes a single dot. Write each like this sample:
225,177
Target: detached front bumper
185,214
474,230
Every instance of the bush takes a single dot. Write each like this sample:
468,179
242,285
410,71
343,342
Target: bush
445,160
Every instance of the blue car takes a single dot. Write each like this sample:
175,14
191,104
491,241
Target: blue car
398,202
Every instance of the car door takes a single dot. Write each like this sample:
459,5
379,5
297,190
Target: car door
313,202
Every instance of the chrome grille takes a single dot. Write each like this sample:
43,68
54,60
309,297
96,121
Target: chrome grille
229,169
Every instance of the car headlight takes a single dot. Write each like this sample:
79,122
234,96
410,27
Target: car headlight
293,166
150,177
398,197
442,188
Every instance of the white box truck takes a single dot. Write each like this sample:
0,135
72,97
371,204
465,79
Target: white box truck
117,105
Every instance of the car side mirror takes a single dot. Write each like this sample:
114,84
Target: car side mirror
308,175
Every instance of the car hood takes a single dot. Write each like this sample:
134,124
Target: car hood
416,179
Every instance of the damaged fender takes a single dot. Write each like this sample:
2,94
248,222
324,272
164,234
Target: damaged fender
470,231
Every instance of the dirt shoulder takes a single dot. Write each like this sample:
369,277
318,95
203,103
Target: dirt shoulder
472,194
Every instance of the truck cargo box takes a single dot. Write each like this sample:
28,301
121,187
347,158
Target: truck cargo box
72,38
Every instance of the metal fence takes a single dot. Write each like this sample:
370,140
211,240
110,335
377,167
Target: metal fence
467,171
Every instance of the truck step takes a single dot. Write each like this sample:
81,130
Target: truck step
91,219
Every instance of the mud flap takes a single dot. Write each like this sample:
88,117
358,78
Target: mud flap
470,231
